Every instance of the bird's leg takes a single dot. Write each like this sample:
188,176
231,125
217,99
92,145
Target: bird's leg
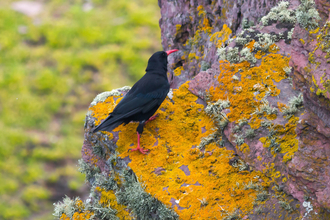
152,117
138,145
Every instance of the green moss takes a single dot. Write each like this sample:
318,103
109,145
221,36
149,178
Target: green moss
50,70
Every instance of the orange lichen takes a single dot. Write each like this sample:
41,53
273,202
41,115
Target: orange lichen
241,94
259,54
85,215
207,175
273,48
102,109
250,45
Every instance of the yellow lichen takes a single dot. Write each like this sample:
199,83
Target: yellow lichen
208,176
219,38
177,71
244,148
108,198
241,94
259,54
102,109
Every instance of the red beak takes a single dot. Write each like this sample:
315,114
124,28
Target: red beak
171,51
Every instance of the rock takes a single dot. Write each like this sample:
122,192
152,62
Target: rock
243,134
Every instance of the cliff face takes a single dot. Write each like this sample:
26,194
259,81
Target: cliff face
244,132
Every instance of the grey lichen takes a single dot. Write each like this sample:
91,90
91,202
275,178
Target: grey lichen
274,145
205,65
221,53
142,204
265,40
232,216
307,15
67,206
229,53
88,170
240,164
214,137
290,33
280,13
239,140
214,110
285,205
266,123
250,133
232,55
203,202
254,186
258,210
287,70
99,151
265,108
104,95
262,196
294,104
246,55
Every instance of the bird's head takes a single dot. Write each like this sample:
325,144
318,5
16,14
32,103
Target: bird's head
158,61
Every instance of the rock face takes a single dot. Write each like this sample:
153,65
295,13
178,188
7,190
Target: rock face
244,132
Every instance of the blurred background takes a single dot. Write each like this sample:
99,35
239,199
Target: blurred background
55,57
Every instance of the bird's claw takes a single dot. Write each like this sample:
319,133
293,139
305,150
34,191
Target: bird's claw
143,151
153,117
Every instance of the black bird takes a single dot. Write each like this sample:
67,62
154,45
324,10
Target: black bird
144,98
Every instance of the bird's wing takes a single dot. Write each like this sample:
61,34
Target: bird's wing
140,101
145,95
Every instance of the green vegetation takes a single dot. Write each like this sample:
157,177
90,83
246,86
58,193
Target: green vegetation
51,68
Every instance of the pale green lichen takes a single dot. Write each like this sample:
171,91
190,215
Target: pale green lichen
67,206
287,70
142,204
290,33
240,164
229,53
285,205
221,53
265,108
294,104
258,210
88,170
250,133
99,151
246,55
307,15
205,65
214,110
239,140
280,13
265,40
104,95
262,196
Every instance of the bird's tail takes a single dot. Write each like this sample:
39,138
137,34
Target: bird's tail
108,124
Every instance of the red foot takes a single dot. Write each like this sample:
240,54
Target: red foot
152,118
138,146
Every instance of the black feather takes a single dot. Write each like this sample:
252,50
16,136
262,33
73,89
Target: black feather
144,98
